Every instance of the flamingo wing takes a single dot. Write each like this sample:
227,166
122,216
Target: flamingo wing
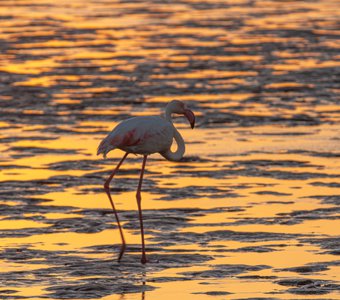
140,135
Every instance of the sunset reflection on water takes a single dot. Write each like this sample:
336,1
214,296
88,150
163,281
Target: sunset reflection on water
251,211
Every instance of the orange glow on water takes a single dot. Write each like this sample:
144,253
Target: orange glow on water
262,160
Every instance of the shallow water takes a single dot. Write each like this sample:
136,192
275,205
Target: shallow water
252,211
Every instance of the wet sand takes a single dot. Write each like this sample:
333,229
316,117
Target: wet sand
251,212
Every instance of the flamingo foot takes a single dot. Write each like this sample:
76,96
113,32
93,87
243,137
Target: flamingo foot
144,260
122,250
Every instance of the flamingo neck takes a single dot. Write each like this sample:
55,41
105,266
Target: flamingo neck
178,154
168,112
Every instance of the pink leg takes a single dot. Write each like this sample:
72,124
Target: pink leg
139,199
107,190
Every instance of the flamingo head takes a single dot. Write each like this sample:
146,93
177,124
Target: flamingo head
178,107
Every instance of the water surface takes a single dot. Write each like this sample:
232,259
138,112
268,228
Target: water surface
252,211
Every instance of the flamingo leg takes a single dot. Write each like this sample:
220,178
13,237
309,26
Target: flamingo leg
139,200
107,190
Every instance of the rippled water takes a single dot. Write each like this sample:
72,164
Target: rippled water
253,209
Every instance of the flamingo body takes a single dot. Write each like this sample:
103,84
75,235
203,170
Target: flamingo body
139,135
145,135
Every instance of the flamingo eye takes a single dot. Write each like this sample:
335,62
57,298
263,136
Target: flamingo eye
181,104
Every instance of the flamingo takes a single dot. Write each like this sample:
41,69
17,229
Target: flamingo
145,135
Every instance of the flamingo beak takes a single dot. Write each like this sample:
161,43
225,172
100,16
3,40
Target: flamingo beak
190,116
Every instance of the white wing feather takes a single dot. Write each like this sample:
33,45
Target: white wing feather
140,135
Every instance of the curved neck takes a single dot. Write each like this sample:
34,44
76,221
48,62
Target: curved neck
168,113
178,154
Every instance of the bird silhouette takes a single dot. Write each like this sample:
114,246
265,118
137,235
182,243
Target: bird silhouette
145,135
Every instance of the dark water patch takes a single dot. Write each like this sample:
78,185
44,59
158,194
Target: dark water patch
258,249
280,202
327,184
288,133
249,172
30,118
98,179
77,165
314,153
312,267
18,211
271,193
94,221
29,255
133,95
78,130
193,192
21,190
250,221
294,282
221,235
309,34
33,201
222,271
122,172
158,255
216,118
26,138
96,288
131,249
94,179
273,163
309,286
16,190
327,199
33,151
9,233
213,293
67,131
8,291
176,260
106,279
330,213
9,167
195,159
227,171
257,277
306,269
280,219
245,186
169,220
79,225
331,245
115,189
70,275
161,224
11,296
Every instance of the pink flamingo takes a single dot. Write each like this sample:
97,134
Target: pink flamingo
145,135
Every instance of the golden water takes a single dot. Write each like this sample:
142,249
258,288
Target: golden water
259,192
